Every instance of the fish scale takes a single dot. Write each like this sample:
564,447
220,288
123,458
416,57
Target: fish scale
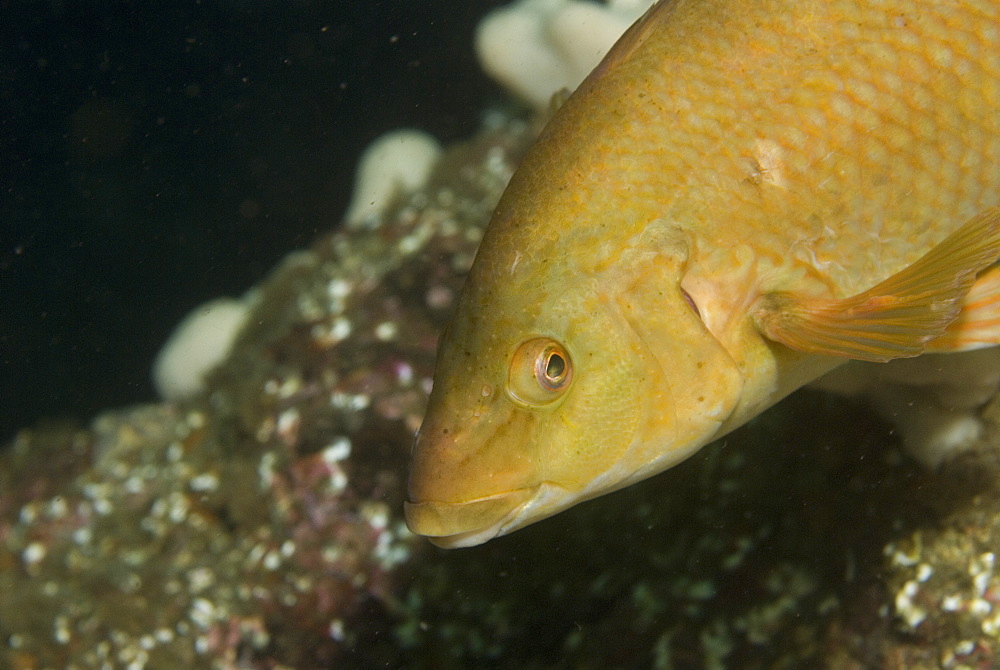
736,201
859,126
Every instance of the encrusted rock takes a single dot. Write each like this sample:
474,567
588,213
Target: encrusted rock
259,524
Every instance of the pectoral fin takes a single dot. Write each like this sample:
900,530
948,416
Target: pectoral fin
978,324
900,316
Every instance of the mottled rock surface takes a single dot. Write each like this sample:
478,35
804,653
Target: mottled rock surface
260,526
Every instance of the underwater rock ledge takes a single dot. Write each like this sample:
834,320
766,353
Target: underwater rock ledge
259,525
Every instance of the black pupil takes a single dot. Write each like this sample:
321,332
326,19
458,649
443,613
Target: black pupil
555,366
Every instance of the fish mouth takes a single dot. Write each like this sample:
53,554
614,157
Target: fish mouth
466,524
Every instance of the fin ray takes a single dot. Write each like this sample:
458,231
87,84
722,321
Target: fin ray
896,318
978,324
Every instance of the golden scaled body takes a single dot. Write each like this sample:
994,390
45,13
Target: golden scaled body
743,195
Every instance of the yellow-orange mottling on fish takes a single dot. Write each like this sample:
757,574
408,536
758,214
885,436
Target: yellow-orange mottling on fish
742,196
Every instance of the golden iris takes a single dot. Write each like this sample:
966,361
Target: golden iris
540,371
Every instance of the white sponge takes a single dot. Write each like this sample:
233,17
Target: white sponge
536,48
199,342
399,161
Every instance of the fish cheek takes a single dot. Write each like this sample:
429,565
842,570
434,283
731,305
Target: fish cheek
595,423
578,442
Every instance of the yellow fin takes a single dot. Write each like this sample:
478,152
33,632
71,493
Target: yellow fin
893,319
978,324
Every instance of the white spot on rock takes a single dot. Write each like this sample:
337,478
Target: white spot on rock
198,344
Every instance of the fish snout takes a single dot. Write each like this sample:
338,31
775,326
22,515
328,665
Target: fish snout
465,524
471,475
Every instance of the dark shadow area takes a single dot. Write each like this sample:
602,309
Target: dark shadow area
157,155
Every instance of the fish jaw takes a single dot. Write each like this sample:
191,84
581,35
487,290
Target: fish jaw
466,524
460,491
460,495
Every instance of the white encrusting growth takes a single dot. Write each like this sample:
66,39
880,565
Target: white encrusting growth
197,345
536,48
398,162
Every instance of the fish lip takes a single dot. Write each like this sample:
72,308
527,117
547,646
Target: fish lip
466,524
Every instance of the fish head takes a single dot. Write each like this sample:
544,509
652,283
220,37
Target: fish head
560,387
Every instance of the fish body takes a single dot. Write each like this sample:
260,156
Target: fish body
742,196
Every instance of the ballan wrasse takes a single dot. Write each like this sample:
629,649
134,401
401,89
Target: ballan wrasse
744,195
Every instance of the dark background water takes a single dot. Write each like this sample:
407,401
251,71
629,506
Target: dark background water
154,155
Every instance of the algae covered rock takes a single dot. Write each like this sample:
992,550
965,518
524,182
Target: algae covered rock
258,524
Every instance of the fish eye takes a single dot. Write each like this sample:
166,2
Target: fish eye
540,371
